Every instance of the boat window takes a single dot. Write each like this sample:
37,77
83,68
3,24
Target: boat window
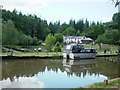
74,49
68,47
87,50
93,50
77,48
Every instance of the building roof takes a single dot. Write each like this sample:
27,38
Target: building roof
88,39
74,37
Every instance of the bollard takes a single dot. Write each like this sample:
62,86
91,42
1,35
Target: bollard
106,81
67,54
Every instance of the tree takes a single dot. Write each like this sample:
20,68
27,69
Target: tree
49,42
62,27
101,39
95,31
86,28
54,27
0,36
69,31
79,25
109,37
9,33
72,23
35,41
59,37
116,21
78,33
117,3
45,32
44,29
25,40
86,25
30,28
29,40
57,47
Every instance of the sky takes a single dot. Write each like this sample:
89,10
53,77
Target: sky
64,10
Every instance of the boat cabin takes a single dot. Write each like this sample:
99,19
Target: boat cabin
78,48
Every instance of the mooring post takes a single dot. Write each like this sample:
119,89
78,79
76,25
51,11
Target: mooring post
106,81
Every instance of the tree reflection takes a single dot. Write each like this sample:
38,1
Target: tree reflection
29,68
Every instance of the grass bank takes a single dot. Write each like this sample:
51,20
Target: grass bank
34,54
110,49
57,54
114,83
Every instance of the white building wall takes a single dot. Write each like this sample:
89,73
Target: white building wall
69,39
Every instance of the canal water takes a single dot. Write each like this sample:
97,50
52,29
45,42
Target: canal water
55,73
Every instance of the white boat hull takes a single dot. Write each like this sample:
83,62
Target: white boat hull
79,55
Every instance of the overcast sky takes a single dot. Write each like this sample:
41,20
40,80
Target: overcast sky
64,10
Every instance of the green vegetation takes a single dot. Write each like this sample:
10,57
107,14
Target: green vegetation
111,84
57,50
69,31
109,37
59,37
49,42
40,54
110,49
9,33
30,30
57,47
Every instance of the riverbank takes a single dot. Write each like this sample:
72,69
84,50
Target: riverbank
44,56
114,83
111,51
30,57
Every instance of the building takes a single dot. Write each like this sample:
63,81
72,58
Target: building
87,41
77,39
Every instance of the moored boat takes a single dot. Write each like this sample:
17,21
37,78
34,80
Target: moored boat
77,51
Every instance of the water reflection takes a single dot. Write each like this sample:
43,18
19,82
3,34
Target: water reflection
52,73
22,82
61,79
78,65
27,68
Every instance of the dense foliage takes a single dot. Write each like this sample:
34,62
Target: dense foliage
9,33
49,42
57,47
19,29
109,37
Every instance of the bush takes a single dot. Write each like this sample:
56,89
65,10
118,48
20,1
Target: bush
57,47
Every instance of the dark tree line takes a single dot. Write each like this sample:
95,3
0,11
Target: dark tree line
32,29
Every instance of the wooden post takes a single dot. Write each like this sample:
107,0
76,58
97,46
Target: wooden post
67,54
106,81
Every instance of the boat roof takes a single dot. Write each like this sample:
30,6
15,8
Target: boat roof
74,44
90,48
